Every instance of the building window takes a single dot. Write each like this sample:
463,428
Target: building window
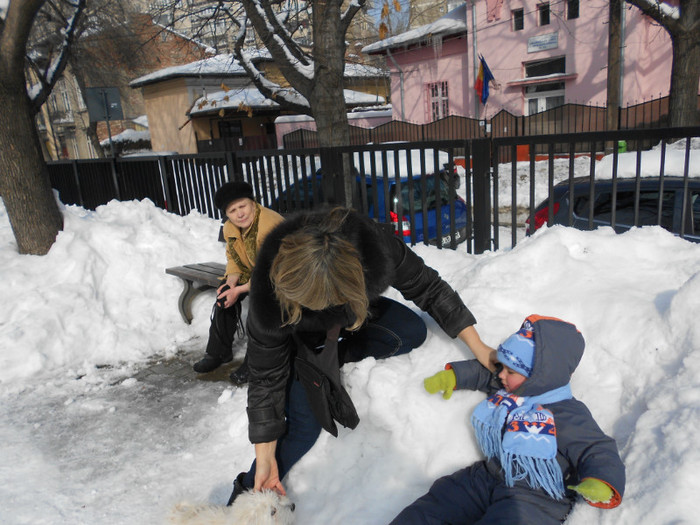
438,100
572,9
543,14
549,66
91,149
66,101
53,104
518,19
541,97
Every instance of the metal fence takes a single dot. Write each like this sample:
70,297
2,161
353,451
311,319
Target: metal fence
526,194
567,118
465,194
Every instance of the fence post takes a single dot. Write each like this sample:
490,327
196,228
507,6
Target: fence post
164,180
115,177
481,162
231,167
76,177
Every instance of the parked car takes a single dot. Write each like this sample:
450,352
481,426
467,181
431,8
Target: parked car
430,196
648,207
404,227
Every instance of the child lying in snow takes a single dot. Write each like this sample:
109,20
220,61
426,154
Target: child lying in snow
538,440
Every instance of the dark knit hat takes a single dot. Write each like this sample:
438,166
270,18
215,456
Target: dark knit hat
232,191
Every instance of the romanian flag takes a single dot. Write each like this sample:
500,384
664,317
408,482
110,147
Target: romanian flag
482,80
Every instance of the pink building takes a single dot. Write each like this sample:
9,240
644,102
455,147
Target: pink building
542,54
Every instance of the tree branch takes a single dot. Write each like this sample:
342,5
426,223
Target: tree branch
294,64
15,34
285,97
49,76
654,10
350,12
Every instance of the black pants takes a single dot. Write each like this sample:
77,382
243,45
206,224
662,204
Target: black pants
225,324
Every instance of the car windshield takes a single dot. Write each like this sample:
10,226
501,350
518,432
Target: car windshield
418,194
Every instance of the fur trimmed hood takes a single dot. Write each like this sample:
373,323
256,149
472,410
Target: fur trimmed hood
363,233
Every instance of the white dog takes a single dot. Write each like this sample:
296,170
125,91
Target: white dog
265,507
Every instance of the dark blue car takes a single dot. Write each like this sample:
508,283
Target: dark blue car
673,203
423,192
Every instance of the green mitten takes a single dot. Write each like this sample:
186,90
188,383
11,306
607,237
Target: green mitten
444,381
593,490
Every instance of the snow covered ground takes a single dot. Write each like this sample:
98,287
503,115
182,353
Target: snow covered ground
84,442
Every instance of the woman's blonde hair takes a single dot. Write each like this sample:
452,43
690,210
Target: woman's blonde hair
316,268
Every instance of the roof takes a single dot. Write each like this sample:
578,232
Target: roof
244,98
452,23
227,66
216,66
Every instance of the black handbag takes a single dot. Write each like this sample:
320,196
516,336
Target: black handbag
319,374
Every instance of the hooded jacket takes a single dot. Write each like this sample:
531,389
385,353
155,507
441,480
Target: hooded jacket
583,450
386,260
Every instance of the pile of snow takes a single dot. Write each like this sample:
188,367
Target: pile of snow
85,441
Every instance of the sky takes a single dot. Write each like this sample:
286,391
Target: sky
88,439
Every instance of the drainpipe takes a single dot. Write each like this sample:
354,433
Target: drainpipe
475,56
388,52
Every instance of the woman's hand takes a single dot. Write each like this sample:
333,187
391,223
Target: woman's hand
266,472
484,353
231,295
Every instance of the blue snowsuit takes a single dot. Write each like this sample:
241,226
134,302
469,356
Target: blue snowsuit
478,493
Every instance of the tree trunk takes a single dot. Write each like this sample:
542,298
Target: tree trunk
327,102
614,46
24,179
685,79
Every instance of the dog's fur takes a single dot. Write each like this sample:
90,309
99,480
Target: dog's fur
265,507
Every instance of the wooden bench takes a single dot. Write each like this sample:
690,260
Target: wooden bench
196,278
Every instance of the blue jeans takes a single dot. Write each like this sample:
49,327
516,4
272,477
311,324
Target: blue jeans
393,329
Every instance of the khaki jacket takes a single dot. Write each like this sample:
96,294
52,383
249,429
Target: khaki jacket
235,240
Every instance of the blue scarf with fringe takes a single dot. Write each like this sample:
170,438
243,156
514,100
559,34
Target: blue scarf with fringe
527,449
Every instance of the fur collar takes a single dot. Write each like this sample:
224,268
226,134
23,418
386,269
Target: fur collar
368,238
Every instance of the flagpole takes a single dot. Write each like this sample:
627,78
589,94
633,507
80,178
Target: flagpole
475,57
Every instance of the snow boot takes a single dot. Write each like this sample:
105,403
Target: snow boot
208,364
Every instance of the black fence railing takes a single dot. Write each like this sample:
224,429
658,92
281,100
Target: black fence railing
451,193
651,181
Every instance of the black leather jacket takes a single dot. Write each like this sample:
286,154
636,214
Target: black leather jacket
387,262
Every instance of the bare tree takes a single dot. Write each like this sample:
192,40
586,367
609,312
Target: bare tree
683,26
24,181
317,76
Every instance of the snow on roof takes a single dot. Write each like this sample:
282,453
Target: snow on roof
354,70
128,135
141,121
227,65
354,114
219,65
252,98
452,23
